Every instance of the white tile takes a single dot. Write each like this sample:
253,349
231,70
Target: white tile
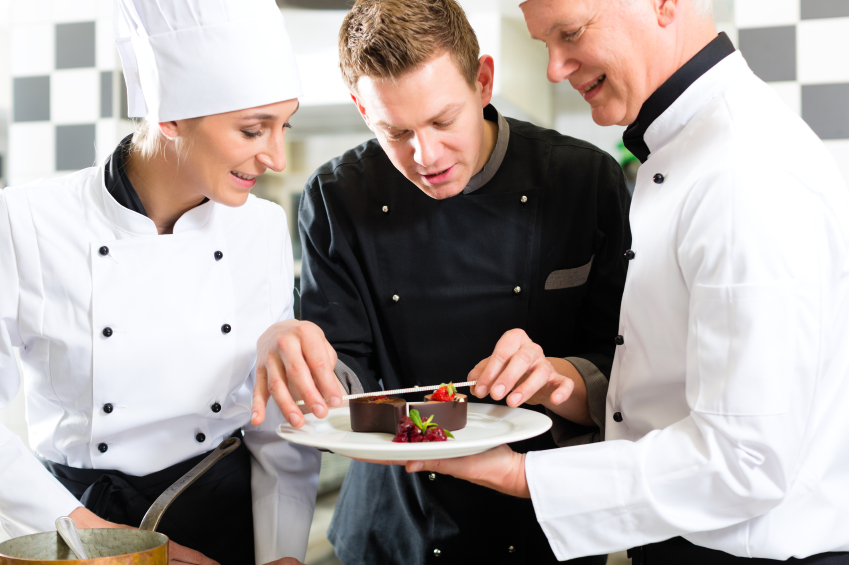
109,133
30,11
822,51
106,55
33,49
32,151
63,11
75,96
840,149
765,13
790,93
5,16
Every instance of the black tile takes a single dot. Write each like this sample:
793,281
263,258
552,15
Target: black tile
75,45
825,108
815,9
75,147
31,99
106,101
124,105
770,51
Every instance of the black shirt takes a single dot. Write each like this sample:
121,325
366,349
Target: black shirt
117,183
539,247
669,91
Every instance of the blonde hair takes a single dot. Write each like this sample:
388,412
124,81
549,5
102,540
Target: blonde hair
149,141
389,38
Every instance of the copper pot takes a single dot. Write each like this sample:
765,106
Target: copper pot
113,546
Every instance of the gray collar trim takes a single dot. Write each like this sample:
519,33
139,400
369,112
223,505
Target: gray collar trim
495,160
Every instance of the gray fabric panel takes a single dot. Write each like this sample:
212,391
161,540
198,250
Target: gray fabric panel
106,102
815,9
75,45
495,160
348,378
568,278
31,99
75,147
566,433
770,51
826,109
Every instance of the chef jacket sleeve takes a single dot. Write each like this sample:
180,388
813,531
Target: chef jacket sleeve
30,498
284,475
330,293
599,316
751,250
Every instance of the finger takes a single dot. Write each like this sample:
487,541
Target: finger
520,363
278,388
474,375
320,364
504,350
300,378
538,378
260,399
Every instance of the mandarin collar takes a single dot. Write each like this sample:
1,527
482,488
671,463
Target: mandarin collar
670,91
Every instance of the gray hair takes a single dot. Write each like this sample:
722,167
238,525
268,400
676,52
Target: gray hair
703,8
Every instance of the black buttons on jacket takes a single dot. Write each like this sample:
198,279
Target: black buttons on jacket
216,408
200,438
619,340
629,255
107,332
108,408
617,417
659,178
102,448
225,329
218,255
103,251
432,476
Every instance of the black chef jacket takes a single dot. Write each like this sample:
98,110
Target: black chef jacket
415,291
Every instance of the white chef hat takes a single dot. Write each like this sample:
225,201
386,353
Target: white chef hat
190,58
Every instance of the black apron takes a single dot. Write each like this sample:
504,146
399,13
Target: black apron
415,291
678,551
213,516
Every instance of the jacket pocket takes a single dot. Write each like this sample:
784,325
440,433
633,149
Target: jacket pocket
569,278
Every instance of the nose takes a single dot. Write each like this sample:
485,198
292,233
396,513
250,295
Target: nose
426,149
560,67
273,155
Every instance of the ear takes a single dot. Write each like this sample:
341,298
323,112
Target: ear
486,78
169,129
362,110
667,11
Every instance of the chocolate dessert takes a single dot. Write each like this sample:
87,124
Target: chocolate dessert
377,414
447,406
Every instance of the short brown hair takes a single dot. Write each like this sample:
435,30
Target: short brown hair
388,38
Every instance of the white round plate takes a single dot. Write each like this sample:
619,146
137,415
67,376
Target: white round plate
488,426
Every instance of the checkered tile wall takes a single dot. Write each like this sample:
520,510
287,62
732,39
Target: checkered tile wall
801,48
66,88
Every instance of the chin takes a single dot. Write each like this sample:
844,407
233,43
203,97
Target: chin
233,199
441,192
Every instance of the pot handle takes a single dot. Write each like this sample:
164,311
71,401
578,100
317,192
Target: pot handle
160,505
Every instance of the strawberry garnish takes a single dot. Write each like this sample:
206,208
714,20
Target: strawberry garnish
444,393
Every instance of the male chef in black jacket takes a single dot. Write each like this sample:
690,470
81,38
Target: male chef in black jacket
422,247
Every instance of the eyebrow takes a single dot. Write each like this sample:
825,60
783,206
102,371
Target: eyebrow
445,110
263,117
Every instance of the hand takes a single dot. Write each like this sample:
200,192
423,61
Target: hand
85,518
294,361
285,561
500,469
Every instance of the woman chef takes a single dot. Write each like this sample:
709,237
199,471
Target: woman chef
135,292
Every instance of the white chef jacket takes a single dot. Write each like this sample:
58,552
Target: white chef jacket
73,262
733,380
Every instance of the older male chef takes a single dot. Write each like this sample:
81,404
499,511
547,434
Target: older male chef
727,427
138,342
